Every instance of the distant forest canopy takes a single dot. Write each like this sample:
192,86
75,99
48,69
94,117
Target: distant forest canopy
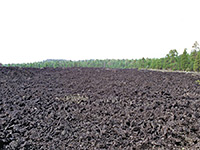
172,61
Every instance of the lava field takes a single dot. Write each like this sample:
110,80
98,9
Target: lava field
98,109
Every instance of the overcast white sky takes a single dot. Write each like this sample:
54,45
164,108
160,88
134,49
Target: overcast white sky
35,30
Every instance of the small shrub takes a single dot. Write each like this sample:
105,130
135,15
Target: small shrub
188,69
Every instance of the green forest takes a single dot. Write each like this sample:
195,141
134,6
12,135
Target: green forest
172,61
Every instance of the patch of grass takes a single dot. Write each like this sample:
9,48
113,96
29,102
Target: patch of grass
198,82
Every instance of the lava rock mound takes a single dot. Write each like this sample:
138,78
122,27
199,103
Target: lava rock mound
97,108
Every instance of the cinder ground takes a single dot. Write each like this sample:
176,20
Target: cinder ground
93,108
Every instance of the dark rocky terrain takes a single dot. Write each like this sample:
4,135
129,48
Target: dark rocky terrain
93,108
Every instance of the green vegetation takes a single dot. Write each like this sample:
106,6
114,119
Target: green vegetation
197,63
184,60
198,82
172,61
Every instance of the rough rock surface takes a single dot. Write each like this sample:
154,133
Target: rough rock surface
93,108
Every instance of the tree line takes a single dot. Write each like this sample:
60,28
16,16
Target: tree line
172,61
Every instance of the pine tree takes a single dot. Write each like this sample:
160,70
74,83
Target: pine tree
166,62
197,63
192,58
173,55
184,60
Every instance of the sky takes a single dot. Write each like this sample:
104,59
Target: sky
35,30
